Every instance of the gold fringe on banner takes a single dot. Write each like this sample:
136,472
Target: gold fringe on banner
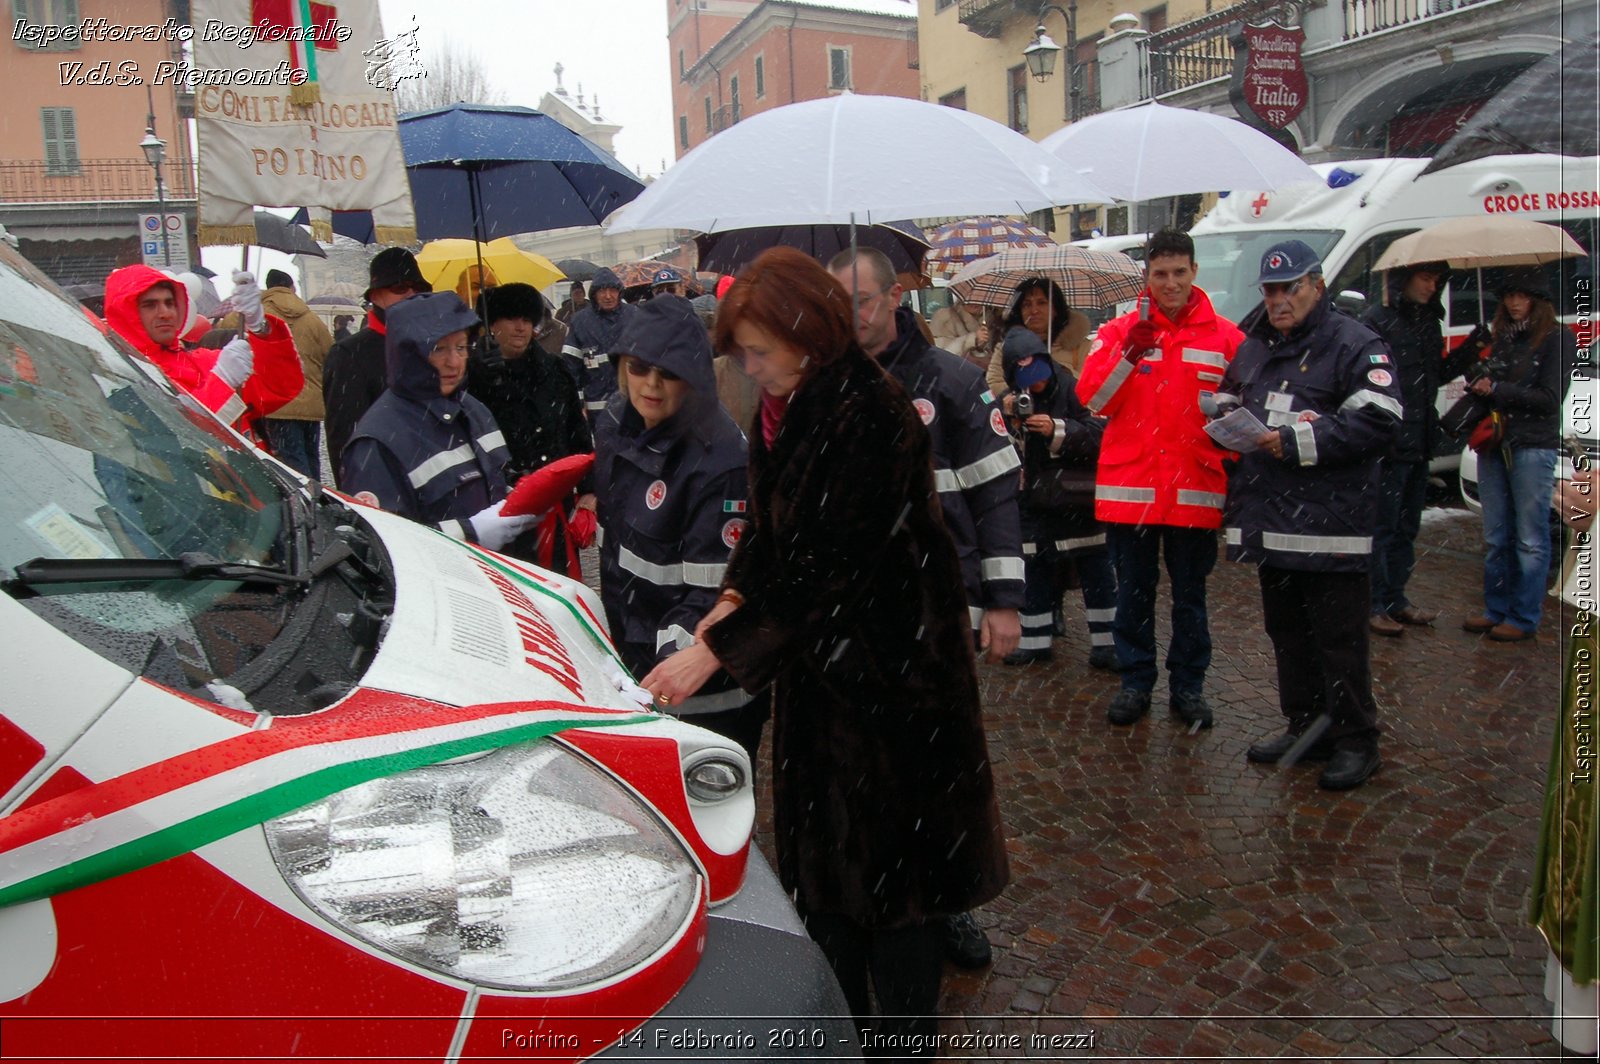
212,235
322,232
395,234
305,94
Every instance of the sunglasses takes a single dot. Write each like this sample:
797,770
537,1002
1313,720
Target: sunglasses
637,368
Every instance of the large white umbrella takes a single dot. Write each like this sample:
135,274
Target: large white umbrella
849,158
1152,152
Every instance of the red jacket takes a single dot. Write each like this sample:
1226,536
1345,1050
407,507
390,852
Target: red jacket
1157,465
275,379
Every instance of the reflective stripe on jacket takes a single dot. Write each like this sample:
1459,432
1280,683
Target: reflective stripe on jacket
1157,465
1338,409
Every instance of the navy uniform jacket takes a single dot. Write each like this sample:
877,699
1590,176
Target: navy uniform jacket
1316,507
671,504
437,459
1074,447
974,462
591,339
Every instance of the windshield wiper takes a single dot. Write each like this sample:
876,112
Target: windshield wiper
191,565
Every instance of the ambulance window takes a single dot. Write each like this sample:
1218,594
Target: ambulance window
1357,275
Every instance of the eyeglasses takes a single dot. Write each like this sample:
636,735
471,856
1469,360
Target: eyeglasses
1285,288
637,368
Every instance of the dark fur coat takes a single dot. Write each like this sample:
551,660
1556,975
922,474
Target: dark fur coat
854,612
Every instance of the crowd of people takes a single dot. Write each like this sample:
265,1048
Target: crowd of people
808,513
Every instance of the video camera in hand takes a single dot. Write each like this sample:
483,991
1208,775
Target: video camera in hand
1022,406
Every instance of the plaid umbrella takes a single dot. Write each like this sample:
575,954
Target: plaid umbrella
1086,278
953,245
636,274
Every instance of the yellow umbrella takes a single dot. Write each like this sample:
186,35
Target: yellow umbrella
444,261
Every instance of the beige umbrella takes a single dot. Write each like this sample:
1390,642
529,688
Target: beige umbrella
1473,242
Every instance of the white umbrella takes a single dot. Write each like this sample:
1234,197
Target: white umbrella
849,158
1152,152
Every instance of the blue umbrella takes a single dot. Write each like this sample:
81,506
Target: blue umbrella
482,172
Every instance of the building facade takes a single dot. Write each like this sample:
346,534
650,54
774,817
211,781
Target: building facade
1384,77
734,58
73,179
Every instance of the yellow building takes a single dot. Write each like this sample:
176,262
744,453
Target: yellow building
972,57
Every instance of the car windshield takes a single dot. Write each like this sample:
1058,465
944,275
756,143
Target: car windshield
1229,263
99,459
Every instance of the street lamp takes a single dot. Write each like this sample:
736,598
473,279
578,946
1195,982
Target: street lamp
1041,55
155,150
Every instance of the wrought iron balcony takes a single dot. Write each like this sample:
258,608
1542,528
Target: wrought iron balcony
93,181
1198,50
987,18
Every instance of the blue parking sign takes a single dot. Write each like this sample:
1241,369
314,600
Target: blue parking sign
152,247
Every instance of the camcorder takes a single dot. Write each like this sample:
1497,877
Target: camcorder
1022,406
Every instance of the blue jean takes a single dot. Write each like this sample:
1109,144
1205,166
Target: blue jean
1516,532
295,444
1191,554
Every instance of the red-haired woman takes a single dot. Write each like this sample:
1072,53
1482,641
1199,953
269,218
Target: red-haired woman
845,597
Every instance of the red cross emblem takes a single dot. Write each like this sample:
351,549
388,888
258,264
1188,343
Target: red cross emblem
655,494
732,532
1275,261
1259,204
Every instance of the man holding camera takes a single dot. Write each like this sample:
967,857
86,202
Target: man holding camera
1160,485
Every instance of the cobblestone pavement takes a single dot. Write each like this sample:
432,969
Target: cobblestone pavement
1173,901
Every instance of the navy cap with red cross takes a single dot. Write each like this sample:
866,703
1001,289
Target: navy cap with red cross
1288,261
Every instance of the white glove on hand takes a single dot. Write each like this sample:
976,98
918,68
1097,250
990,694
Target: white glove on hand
235,362
494,531
246,299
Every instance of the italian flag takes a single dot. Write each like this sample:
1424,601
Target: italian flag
186,801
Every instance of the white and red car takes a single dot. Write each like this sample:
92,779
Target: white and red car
284,776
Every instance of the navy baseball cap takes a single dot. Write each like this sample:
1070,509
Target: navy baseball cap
1035,371
665,275
1288,261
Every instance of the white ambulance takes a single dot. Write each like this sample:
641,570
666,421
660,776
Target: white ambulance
284,776
1362,206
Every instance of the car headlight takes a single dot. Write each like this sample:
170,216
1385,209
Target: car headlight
525,869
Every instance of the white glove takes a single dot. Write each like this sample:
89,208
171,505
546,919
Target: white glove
494,531
246,299
235,362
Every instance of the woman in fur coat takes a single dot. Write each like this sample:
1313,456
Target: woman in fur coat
845,597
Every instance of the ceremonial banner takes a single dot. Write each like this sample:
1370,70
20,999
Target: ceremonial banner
294,108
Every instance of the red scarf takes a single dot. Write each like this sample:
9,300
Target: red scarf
772,410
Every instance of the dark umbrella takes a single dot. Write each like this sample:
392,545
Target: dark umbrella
731,250
577,269
483,172
1550,107
281,234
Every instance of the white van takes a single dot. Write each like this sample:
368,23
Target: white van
1362,206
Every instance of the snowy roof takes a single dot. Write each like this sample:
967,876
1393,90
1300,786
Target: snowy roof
903,8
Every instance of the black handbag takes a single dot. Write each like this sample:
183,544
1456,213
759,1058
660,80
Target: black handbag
1465,414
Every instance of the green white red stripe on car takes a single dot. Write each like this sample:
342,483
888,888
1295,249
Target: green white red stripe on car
179,803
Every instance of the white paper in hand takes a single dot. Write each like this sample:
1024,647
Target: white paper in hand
1237,432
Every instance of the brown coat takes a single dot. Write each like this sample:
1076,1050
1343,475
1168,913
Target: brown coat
883,798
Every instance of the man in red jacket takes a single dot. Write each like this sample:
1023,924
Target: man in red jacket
1160,484
246,379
